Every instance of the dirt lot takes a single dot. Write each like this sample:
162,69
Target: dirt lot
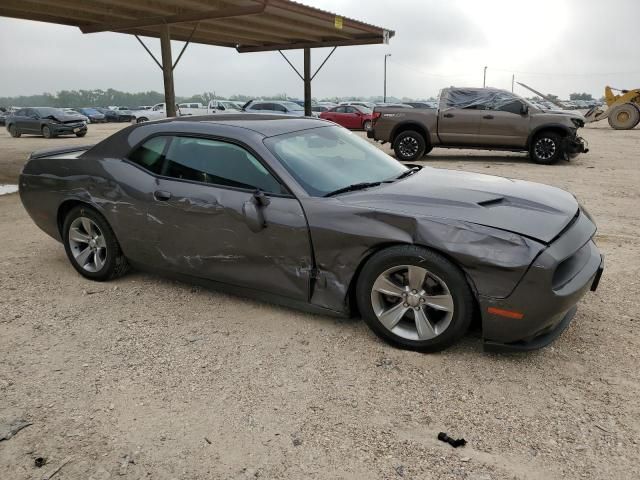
147,378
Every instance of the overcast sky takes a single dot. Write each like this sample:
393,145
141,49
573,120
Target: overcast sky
557,46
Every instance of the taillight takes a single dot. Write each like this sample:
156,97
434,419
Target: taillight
376,116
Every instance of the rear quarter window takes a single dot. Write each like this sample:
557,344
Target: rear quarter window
150,154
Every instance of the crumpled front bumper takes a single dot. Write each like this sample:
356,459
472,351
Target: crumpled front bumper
547,295
575,145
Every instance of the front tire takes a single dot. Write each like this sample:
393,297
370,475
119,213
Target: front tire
81,134
47,133
142,119
91,245
414,298
547,148
409,145
13,131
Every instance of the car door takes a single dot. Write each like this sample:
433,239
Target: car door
206,220
20,119
31,122
505,123
352,118
459,118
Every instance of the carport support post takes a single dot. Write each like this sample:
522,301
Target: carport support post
167,71
307,82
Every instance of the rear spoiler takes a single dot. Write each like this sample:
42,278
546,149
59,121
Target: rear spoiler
58,151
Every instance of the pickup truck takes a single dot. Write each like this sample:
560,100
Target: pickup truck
480,118
159,111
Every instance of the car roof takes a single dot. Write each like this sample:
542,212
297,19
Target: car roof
264,124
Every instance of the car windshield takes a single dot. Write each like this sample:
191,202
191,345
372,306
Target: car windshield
327,159
48,111
90,111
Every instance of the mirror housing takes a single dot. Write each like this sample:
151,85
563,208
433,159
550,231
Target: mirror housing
524,110
253,213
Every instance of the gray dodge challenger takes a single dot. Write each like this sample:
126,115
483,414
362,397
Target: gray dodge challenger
302,212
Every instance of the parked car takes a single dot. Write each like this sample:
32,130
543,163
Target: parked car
192,108
223,106
354,117
116,115
396,105
46,121
422,104
3,116
274,106
308,214
71,111
92,114
484,118
359,103
316,110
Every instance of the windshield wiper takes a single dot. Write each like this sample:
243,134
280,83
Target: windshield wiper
352,188
406,173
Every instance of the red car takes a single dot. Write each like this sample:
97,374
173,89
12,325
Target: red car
353,117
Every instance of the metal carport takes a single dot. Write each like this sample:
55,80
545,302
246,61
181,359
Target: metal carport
246,25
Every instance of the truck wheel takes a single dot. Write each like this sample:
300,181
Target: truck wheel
81,134
546,148
13,131
624,117
409,145
142,119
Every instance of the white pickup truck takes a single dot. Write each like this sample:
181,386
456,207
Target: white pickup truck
159,111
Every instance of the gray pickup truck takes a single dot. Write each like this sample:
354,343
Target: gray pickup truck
480,118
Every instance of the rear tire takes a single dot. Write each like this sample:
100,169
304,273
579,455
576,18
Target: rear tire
13,131
91,245
547,148
366,125
414,298
142,119
624,117
409,145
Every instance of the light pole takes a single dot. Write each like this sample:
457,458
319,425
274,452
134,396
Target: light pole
384,99
484,78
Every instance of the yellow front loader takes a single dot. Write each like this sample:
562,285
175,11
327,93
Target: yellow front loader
623,110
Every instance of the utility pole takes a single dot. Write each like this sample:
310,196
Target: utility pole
484,79
513,79
385,77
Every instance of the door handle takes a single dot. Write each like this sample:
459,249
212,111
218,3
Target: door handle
448,115
161,196
488,117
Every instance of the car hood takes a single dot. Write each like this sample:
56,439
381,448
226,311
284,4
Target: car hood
67,117
534,210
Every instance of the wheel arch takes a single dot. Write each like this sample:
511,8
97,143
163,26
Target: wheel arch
351,291
559,128
67,205
410,125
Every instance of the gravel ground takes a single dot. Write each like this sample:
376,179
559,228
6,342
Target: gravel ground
147,378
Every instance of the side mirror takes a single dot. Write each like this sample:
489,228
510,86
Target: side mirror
252,210
524,109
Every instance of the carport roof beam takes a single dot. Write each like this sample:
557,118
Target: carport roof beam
246,25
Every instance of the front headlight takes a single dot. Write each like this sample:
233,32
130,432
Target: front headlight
578,122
